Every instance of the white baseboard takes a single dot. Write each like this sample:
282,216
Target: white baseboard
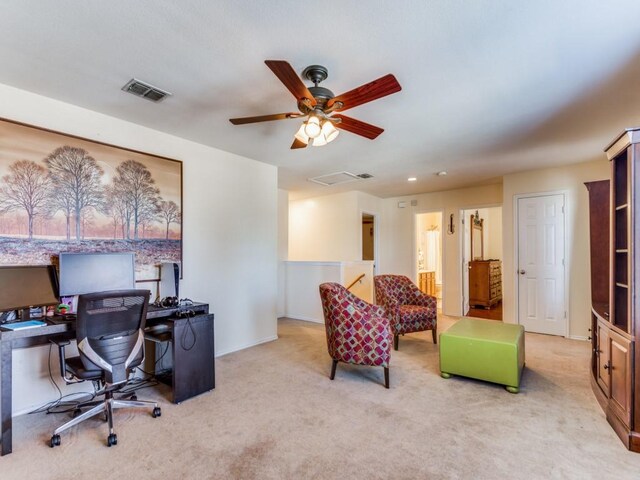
578,337
247,345
303,317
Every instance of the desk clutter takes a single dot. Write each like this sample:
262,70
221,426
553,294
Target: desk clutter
171,343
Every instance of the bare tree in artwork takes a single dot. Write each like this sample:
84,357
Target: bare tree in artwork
170,213
25,187
63,203
115,206
137,185
76,176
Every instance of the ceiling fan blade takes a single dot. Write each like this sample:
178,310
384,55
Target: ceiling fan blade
265,118
358,127
379,88
298,144
291,80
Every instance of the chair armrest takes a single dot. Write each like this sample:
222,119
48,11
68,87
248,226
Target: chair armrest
424,300
61,343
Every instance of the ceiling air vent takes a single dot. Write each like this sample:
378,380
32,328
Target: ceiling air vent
335,178
145,90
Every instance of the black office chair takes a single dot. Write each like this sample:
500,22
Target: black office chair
110,336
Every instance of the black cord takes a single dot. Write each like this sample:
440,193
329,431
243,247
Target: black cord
184,336
68,405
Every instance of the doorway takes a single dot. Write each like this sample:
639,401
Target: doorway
540,247
369,238
428,254
482,262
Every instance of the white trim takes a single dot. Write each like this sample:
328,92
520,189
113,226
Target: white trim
329,264
247,345
567,259
304,318
578,337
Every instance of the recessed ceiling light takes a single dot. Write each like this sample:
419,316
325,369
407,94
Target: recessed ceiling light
442,173
411,179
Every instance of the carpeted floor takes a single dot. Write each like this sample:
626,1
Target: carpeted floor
276,415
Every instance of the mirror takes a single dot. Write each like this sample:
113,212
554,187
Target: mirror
477,241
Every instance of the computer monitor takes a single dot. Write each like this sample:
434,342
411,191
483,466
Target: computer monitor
27,286
96,272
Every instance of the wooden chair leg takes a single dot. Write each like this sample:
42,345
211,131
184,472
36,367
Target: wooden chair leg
333,369
434,332
396,341
386,377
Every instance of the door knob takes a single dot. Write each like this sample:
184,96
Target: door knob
522,272
606,366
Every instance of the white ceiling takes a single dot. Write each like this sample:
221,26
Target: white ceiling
489,87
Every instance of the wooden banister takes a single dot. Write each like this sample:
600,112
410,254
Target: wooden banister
355,281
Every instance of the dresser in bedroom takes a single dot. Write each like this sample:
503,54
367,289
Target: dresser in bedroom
485,283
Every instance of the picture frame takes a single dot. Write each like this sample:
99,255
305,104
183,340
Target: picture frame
64,193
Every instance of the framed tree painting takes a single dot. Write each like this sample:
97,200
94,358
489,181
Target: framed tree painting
60,193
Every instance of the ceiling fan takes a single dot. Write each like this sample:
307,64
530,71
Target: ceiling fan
318,104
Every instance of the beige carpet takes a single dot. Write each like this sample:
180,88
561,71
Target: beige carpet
276,414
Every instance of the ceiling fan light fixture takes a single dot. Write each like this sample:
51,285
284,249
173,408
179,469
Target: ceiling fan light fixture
312,127
301,135
319,141
329,131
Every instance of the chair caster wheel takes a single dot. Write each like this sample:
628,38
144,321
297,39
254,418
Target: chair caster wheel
156,412
55,441
112,439
134,397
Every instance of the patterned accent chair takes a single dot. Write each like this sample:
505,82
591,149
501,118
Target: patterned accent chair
408,309
357,332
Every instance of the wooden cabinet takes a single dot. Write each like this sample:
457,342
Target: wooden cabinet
427,283
615,332
485,283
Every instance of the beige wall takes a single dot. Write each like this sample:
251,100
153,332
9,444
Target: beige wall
494,234
329,228
571,180
325,229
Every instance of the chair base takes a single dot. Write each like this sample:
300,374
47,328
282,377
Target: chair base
334,364
396,338
107,407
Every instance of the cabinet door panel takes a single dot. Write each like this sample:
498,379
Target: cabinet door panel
602,358
620,400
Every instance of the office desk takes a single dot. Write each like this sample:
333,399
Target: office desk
188,381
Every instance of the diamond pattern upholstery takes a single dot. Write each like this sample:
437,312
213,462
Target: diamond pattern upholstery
357,331
409,310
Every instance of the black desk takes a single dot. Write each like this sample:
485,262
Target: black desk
185,367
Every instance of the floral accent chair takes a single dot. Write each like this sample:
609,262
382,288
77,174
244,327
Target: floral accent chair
409,309
357,332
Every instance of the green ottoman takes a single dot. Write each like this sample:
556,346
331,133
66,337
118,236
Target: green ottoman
484,349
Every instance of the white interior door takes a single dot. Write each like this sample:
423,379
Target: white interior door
541,284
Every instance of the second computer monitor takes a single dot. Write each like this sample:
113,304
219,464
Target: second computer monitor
96,272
